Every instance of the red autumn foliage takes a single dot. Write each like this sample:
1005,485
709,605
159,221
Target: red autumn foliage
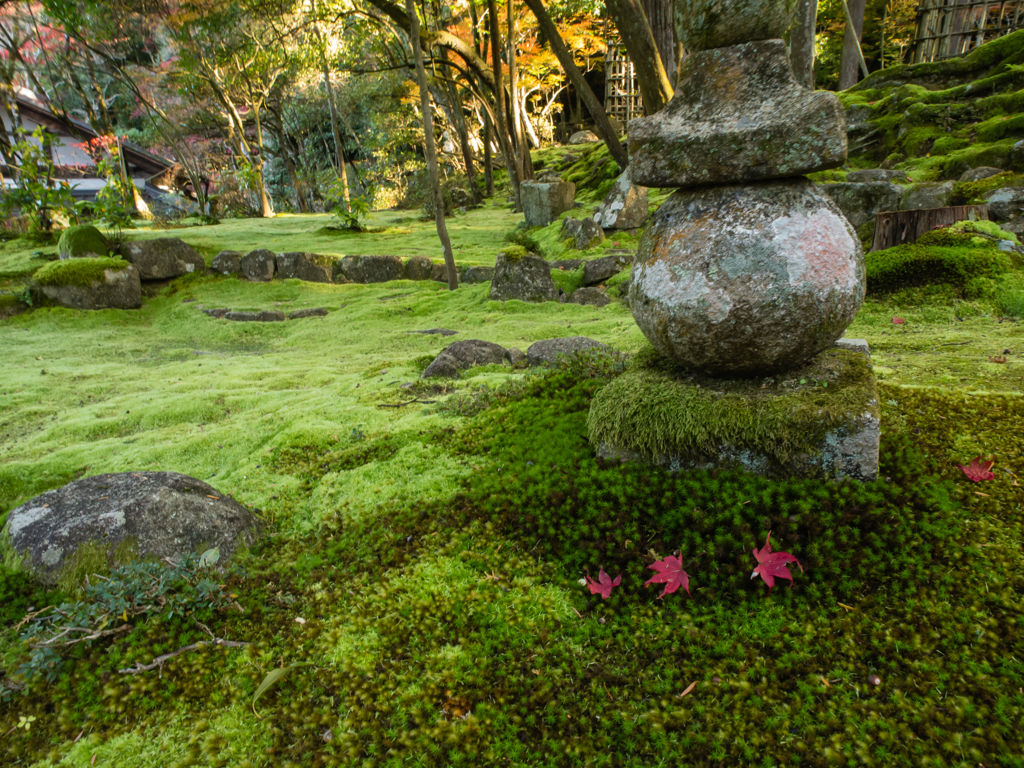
604,584
772,565
898,321
978,470
670,573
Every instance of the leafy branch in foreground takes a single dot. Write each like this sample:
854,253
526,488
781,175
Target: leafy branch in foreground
131,591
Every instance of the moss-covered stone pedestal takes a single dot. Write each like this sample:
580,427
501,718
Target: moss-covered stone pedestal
819,420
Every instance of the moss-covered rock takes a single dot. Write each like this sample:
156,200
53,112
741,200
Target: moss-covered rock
78,273
819,420
103,283
84,241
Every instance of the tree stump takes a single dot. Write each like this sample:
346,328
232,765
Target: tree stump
894,228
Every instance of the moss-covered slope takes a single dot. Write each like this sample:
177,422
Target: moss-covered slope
939,119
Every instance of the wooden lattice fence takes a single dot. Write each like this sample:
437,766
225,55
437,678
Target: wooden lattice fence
948,28
621,88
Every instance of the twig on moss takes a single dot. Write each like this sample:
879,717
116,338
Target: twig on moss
159,661
408,402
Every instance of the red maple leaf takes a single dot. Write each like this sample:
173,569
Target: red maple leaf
898,321
604,584
978,470
670,573
771,564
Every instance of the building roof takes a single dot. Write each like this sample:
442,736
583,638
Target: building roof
36,109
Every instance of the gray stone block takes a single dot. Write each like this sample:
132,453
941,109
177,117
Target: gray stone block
544,202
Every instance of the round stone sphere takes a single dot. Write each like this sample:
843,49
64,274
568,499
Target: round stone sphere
703,24
744,280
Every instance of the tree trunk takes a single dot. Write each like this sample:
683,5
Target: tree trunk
660,18
850,59
428,145
266,206
488,160
601,124
894,228
290,165
801,42
460,126
499,101
636,33
333,108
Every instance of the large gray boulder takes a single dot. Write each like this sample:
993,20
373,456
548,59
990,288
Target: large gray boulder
419,268
931,194
162,259
753,129
583,137
465,354
590,235
129,515
527,278
597,271
1004,203
549,351
624,207
311,267
116,287
227,262
258,266
876,174
372,269
860,201
544,202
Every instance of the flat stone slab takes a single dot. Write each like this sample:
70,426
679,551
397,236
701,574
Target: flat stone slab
266,316
821,420
738,115
299,314
129,515
217,312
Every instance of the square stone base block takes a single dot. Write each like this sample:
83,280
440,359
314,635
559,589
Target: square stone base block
819,421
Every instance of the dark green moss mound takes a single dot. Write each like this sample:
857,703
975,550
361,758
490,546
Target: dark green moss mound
79,272
82,240
658,410
954,259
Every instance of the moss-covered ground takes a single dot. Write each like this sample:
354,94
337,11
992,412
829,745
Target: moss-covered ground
433,551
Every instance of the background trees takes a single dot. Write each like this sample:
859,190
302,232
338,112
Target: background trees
310,105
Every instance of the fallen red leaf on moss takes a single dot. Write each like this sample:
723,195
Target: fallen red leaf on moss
898,321
773,564
670,573
604,584
978,470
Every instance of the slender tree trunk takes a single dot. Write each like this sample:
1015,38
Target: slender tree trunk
522,149
266,207
488,159
333,108
801,42
460,126
499,102
290,165
601,124
428,145
655,87
850,59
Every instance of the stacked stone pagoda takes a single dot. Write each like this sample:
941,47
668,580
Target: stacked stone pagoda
747,276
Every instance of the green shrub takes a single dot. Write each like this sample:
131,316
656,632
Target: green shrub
514,252
524,238
922,263
80,272
82,240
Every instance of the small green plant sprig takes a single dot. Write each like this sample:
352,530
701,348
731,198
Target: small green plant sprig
133,591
